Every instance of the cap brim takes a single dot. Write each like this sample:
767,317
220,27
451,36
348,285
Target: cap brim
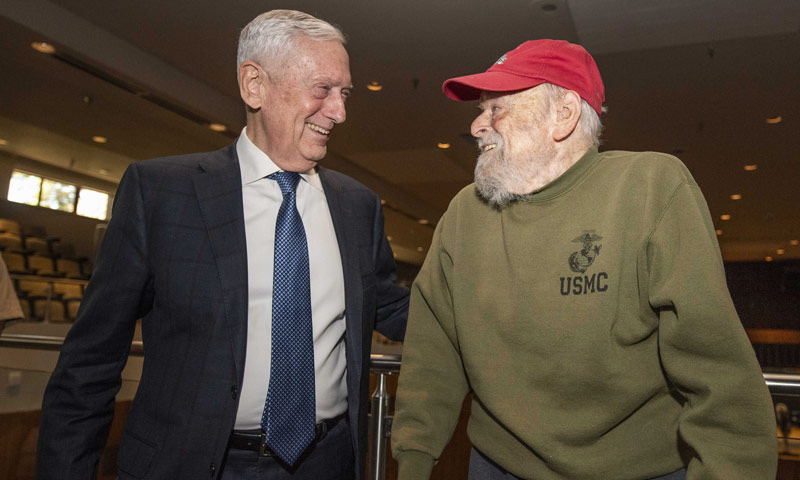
469,87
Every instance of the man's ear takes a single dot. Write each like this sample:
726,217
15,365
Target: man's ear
251,80
567,116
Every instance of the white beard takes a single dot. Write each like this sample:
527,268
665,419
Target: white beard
501,179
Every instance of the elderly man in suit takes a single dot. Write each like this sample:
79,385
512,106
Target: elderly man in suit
259,277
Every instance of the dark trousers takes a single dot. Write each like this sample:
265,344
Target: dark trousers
482,467
331,458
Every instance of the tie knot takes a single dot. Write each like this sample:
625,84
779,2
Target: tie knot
286,180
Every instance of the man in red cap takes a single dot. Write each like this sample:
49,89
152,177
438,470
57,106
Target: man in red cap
580,298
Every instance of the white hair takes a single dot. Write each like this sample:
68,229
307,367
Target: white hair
268,38
589,126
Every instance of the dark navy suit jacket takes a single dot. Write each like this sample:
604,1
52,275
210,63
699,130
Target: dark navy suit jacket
174,254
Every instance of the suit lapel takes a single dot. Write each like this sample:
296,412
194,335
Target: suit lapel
218,186
338,204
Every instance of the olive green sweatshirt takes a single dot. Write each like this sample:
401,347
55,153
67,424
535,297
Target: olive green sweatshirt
593,324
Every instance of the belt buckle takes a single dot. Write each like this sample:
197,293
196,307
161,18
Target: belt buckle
262,447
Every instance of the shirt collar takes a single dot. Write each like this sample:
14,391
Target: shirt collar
255,164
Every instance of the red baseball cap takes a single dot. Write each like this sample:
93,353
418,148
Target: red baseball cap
535,62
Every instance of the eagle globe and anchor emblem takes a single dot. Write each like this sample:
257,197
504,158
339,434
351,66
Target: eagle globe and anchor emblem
581,260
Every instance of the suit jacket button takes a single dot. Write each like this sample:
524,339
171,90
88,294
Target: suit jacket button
234,392
212,469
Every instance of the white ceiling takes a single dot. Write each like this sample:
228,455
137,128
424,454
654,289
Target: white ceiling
696,78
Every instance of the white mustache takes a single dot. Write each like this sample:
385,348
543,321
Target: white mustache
492,139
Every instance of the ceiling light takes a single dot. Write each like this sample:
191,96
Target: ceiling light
374,86
780,251
718,232
795,242
443,145
99,139
423,221
420,249
774,120
736,196
725,217
750,168
3,142
217,127
43,47
768,259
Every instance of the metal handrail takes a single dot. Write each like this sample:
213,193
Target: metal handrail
47,342
382,366
48,279
783,383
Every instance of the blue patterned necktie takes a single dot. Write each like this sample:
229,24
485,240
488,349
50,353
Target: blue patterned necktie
290,410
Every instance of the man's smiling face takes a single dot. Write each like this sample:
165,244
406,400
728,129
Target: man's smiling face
304,102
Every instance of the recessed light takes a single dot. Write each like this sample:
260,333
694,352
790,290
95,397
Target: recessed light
725,217
794,243
750,168
774,120
736,196
718,232
99,139
3,142
217,127
423,221
420,249
768,258
43,47
443,145
374,86
780,251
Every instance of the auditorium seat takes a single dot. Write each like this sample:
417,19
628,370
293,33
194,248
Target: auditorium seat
42,265
35,244
15,262
55,309
7,225
26,308
70,295
10,238
10,241
35,293
69,267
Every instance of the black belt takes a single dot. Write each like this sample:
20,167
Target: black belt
254,439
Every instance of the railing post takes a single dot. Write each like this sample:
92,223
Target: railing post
380,408
380,422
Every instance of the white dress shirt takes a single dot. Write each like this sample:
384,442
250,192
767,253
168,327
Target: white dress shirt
262,198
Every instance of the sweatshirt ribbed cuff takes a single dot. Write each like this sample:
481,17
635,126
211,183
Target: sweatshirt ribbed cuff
414,465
